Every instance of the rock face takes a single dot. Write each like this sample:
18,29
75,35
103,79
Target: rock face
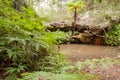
85,22
91,23
61,25
89,28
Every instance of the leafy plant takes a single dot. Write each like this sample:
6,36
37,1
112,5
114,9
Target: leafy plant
24,41
63,76
114,35
92,63
16,69
55,64
75,6
11,77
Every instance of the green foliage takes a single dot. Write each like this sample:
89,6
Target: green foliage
114,35
54,65
16,69
49,76
11,77
75,6
55,37
79,5
72,72
92,63
63,76
24,41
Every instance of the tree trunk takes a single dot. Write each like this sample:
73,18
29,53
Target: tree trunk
18,4
75,15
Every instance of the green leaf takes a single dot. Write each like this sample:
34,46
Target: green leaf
37,47
11,77
10,53
79,65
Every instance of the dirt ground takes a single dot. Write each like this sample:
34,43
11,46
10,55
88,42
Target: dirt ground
110,73
80,52
1,75
106,73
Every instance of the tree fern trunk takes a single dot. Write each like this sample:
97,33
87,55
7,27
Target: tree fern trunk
18,4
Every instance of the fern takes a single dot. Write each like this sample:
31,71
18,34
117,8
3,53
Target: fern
24,41
114,37
16,69
64,76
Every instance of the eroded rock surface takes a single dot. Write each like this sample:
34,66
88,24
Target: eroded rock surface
86,21
90,28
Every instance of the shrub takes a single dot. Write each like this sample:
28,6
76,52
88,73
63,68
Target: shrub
114,35
24,41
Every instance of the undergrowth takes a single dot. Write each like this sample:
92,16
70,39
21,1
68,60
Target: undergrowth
114,36
27,48
25,44
105,63
72,72
63,76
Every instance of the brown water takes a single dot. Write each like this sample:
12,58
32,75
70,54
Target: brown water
76,52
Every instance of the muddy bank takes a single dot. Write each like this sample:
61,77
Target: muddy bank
76,52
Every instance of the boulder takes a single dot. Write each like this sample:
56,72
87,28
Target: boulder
87,21
82,37
61,25
89,27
